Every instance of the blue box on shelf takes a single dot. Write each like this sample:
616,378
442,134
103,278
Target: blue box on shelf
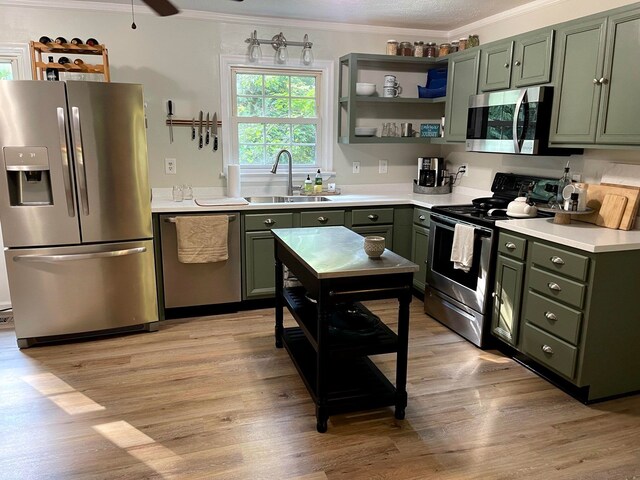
430,130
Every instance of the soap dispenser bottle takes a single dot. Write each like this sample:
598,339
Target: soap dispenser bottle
317,188
308,185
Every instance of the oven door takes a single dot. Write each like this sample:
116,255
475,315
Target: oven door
469,288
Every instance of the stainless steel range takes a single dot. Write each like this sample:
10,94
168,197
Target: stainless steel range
461,299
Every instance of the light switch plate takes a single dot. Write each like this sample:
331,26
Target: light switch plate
356,167
383,166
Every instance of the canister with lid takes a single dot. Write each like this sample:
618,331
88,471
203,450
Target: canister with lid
473,41
430,50
454,47
392,47
405,49
462,44
418,49
445,48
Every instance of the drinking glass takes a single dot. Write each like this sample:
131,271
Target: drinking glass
187,192
385,129
177,193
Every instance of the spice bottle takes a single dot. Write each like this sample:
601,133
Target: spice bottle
430,50
445,48
462,44
418,49
392,47
454,47
405,49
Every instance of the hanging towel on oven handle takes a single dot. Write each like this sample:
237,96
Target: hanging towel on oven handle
462,247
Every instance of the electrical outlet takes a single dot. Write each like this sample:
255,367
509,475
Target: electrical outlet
382,166
170,166
356,167
464,167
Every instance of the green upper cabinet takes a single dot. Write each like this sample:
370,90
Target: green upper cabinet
596,81
462,82
517,63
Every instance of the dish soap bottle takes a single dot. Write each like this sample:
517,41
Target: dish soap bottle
308,185
563,182
317,188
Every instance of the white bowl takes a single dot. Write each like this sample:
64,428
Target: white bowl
366,131
365,89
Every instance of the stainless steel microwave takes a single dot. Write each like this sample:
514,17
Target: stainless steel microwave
512,121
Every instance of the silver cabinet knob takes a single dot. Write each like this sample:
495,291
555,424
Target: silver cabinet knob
506,65
494,294
550,316
510,245
547,349
422,218
323,219
269,222
373,217
603,81
596,81
554,286
557,260
517,63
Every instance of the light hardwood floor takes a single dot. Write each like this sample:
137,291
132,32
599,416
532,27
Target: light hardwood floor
212,397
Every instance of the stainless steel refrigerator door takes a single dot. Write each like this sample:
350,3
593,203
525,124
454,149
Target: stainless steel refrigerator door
110,150
71,290
33,121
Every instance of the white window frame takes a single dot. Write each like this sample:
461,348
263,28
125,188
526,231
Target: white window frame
18,55
228,135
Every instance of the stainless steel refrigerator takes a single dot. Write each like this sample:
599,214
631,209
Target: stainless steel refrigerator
75,209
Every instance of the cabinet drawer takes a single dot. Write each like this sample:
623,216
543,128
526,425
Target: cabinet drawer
322,218
549,350
372,216
556,287
421,216
563,322
267,221
560,261
512,246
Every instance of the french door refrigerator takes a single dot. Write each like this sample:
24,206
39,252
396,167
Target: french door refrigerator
75,209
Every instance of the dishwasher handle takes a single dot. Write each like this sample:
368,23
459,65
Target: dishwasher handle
173,219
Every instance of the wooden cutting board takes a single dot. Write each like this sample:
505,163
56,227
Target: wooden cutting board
595,197
611,211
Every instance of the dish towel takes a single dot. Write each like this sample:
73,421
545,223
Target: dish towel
202,239
462,248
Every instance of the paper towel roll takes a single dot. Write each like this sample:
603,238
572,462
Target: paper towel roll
233,181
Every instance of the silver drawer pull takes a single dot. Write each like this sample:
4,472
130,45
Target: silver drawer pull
269,222
517,63
506,65
373,217
547,349
557,260
510,245
603,81
494,294
422,218
323,219
550,316
554,286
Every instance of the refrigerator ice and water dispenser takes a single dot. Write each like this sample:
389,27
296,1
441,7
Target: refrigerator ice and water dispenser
28,179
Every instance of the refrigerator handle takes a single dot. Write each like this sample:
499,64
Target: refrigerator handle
82,174
66,172
78,256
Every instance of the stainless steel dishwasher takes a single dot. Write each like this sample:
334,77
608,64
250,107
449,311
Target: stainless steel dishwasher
193,284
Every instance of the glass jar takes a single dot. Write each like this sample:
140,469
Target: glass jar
473,41
418,49
445,48
405,49
462,44
392,47
454,47
430,50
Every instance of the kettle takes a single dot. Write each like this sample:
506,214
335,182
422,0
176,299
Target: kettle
519,208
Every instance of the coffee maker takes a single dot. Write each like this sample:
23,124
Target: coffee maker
431,171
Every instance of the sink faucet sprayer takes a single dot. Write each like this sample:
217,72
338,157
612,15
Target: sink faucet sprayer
275,168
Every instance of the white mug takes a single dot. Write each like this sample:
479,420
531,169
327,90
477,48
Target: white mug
390,81
391,91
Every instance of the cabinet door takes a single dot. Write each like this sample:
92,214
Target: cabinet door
419,247
578,63
462,81
385,231
507,298
532,60
620,102
495,67
259,265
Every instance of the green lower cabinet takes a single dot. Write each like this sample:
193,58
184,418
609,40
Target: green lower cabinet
419,255
385,231
507,298
259,266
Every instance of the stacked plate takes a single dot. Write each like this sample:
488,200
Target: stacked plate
366,131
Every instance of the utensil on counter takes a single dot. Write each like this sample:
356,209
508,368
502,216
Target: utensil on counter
170,118
215,131
193,128
200,138
207,130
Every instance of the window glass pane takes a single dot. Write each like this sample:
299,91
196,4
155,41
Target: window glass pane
251,155
250,107
272,151
304,134
278,133
304,155
276,107
251,133
248,84
303,108
303,86
6,72
276,85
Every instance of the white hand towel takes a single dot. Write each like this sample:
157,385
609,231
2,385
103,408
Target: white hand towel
462,248
202,239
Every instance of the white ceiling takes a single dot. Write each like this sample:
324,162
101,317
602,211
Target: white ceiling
444,15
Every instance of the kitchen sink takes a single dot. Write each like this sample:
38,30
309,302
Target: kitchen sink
283,199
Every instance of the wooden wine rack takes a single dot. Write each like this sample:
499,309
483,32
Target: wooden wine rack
39,67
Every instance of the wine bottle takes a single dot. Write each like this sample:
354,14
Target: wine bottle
45,40
92,42
76,41
61,40
52,73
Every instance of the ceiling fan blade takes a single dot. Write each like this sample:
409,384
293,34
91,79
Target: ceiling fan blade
164,8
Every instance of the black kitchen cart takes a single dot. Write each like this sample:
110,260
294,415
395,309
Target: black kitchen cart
333,270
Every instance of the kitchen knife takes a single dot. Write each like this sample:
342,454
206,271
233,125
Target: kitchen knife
208,130
200,131
193,128
170,117
215,131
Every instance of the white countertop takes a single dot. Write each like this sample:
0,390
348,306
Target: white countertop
580,235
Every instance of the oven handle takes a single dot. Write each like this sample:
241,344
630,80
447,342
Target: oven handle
450,223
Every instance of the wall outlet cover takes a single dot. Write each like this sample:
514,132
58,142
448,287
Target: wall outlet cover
170,166
356,167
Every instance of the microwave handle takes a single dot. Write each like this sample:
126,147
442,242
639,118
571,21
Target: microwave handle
516,115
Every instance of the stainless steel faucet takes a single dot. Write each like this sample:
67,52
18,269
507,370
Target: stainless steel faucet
275,168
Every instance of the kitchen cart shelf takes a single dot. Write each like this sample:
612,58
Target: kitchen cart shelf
38,66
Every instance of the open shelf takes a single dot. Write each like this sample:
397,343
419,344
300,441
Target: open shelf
39,67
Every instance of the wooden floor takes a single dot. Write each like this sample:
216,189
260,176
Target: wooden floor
212,397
